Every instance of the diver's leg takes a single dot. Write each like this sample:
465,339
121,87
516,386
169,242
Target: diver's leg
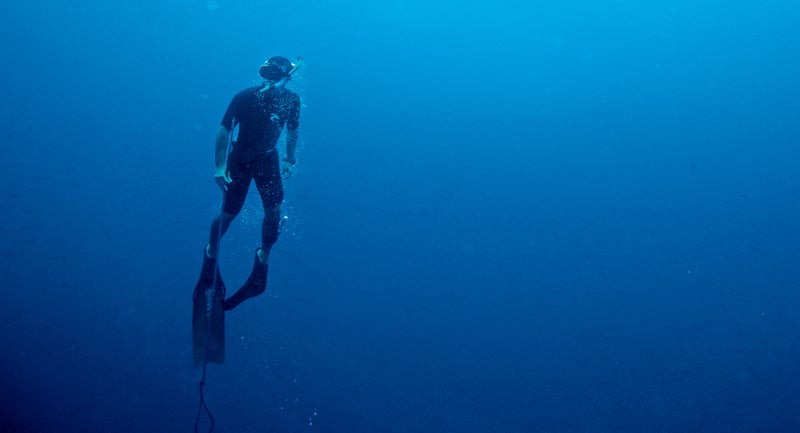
216,235
257,281
270,229
271,191
270,188
232,205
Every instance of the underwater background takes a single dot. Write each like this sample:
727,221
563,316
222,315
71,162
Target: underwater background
508,216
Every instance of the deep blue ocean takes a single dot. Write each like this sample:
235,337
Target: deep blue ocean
510,216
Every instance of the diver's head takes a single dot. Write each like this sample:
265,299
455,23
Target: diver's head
275,69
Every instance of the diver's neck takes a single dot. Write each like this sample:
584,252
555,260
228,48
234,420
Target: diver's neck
269,85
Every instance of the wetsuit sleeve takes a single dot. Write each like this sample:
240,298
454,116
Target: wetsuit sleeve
230,113
293,122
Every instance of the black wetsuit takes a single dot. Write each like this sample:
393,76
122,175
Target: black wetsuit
261,116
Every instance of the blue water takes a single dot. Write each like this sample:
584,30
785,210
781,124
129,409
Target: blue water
507,216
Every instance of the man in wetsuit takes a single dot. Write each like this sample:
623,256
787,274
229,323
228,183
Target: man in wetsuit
261,113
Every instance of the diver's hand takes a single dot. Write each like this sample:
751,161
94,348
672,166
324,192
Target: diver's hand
287,168
223,178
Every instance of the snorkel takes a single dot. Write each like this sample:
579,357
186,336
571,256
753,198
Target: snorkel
281,82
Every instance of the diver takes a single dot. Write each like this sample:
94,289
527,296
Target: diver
261,113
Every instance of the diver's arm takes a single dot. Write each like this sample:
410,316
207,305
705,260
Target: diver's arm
291,144
287,167
221,158
221,148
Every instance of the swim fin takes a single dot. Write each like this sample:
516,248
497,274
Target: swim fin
208,317
255,285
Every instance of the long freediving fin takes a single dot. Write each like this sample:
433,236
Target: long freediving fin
208,315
